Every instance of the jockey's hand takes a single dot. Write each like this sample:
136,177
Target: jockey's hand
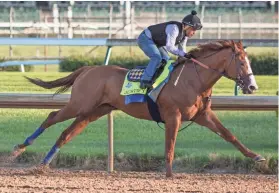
188,56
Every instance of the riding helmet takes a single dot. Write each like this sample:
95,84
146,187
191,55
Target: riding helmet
192,20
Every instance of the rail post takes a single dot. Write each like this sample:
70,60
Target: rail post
110,124
235,90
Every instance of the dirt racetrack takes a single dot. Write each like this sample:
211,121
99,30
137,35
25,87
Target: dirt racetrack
24,180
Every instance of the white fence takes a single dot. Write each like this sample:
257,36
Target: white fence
47,101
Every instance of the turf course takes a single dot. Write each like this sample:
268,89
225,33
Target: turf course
257,130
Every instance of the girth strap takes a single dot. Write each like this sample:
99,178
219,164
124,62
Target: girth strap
153,110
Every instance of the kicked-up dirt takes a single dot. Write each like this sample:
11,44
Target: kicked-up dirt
56,180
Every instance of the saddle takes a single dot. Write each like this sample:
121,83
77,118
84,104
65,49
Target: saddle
135,74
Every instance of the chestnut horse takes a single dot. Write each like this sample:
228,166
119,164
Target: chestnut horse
96,92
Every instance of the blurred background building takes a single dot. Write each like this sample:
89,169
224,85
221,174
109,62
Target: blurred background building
126,19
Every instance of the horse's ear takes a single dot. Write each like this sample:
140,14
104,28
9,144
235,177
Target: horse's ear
234,46
240,45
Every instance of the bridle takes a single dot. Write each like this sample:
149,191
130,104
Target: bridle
239,79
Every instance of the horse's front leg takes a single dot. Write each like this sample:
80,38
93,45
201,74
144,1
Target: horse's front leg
210,120
172,125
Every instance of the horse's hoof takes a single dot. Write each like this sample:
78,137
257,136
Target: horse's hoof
17,151
40,169
259,158
169,175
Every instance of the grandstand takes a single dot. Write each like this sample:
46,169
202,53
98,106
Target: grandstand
113,19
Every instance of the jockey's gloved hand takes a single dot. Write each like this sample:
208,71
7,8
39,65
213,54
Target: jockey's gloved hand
188,56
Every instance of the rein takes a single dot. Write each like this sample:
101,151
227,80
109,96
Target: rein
238,80
208,68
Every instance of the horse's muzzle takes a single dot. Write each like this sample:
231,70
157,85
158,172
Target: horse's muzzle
248,84
249,89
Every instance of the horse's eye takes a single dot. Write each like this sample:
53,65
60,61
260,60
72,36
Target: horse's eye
242,64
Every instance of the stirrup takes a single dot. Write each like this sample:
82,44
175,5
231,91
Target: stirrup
146,84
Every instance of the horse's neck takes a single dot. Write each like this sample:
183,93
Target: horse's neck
208,77
197,81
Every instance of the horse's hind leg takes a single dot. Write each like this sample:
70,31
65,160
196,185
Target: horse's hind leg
74,129
210,120
54,117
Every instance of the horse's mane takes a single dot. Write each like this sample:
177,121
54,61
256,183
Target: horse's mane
216,45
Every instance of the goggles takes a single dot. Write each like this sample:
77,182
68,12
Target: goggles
196,26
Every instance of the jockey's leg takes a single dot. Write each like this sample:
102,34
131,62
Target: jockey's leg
151,50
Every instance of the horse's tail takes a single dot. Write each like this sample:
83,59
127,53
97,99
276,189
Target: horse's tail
65,83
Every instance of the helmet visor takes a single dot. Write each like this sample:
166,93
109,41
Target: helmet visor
197,26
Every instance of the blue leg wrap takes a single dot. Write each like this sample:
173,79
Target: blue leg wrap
29,140
50,155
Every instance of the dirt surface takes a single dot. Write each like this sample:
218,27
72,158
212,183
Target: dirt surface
28,180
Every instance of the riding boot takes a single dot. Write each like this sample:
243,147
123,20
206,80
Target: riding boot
146,80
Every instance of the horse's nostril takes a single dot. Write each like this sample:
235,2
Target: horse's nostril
251,87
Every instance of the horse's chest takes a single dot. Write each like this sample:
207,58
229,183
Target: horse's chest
200,105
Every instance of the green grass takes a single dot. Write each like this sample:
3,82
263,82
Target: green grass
257,130
268,85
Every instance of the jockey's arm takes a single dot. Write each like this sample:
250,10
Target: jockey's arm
182,45
172,32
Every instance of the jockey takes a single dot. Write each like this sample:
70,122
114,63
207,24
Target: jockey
157,40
